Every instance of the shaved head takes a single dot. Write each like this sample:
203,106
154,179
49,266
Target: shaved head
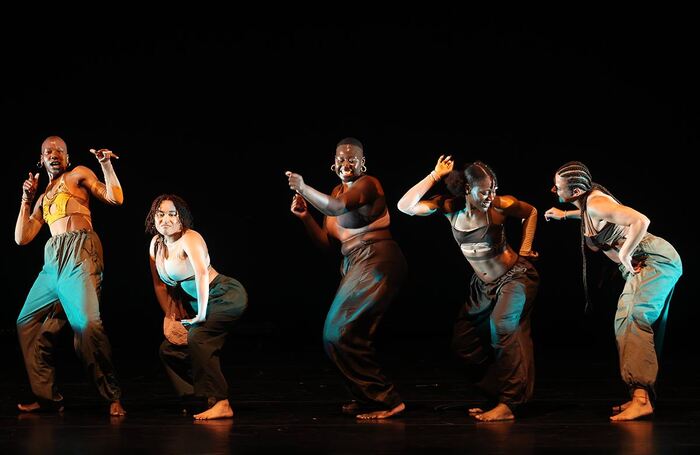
351,141
54,142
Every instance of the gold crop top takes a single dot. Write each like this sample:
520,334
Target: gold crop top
59,202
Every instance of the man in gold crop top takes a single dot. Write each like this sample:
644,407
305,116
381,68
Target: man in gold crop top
69,283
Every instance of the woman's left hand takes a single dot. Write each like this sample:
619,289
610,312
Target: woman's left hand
195,320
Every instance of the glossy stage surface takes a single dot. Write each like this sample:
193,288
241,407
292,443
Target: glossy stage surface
288,401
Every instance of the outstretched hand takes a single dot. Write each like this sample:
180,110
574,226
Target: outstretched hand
554,214
296,181
103,155
444,165
30,186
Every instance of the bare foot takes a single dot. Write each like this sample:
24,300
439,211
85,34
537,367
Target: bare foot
499,413
36,407
640,406
29,407
116,409
377,415
621,407
221,410
475,411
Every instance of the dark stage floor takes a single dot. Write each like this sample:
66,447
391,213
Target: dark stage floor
288,402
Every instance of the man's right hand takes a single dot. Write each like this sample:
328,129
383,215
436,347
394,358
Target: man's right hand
29,187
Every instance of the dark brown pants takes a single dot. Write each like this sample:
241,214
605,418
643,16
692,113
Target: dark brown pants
372,275
196,368
492,334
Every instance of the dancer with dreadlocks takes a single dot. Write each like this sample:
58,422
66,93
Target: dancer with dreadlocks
649,264
492,332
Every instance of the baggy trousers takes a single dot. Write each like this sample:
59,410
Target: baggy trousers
492,334
645,297
196,367
372,275
70,280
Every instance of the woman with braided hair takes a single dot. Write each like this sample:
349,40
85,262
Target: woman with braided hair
492,332
649,264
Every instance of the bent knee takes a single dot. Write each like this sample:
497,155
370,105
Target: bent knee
337,336
196,338
332,338
503,328
86,328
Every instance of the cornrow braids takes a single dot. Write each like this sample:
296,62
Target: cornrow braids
578,176
477,171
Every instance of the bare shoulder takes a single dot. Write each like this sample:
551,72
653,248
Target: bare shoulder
81,174
370,180
600,202
80,171
191,236
504,201
368,184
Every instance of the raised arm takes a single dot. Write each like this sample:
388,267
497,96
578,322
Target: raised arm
607,209
196,250
109,192
510,206
411,203
363,191
318,234
29,220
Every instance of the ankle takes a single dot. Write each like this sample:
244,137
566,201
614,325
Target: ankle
641,396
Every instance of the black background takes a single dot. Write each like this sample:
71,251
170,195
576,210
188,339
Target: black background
216,111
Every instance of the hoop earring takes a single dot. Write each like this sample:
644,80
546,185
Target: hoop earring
363,168
39,165
332,167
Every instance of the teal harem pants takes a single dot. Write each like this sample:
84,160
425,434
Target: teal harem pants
642,307
371,277
492,334
67,289
195,369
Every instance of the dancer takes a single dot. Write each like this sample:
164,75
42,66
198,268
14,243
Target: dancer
68,286
492,332
373,269
179,259
649,264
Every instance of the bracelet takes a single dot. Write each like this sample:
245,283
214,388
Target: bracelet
565,214
434,175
